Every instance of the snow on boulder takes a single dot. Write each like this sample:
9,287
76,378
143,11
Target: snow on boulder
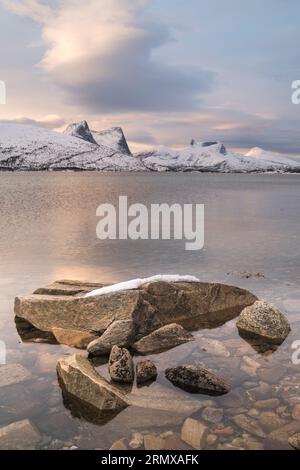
113,138
80,130
136,283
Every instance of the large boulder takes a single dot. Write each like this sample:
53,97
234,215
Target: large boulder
120,333
120,365
193,305
195,379
86,392
265,322
166,337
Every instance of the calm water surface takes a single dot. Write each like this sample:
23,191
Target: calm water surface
48,232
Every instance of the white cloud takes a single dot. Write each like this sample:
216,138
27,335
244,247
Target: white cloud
101,53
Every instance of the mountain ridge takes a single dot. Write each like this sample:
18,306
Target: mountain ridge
33,148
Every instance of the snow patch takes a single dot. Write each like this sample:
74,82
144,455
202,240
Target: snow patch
136,283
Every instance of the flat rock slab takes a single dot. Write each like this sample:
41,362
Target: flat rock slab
21,435
70,287
192,305
87,393
11,374
166,337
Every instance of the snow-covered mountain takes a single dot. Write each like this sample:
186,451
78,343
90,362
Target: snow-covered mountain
113,138
25,147
214,157
80,130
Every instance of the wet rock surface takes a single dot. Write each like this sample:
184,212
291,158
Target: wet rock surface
196,379
264,321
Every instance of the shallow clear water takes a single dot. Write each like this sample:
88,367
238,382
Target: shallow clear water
48,232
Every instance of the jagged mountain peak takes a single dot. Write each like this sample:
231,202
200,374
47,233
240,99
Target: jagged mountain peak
80,130
217,146
113,138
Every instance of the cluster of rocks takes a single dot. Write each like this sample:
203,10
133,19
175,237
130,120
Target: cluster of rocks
149,320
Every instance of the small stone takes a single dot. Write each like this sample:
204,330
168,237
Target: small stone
271,403
272,374
296,412
264,321
119,445
224,431
120,365
194,433
195,379
270,421
137,441
145,371
211,439
253,413
228,447
120,333
174,442
248,443
248,424
21,435
294,441
249,366
260,392
152,442
212,415
166,337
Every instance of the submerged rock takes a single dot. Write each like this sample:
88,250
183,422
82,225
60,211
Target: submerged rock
11,374
195,379
264,321
194,433
145,372
120,333
166,337
86,392
249,425
21,435
191,304
120,366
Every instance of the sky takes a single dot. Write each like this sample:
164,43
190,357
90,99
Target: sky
166,71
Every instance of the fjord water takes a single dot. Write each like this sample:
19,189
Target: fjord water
48,232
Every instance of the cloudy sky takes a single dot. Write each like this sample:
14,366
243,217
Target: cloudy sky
165,70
